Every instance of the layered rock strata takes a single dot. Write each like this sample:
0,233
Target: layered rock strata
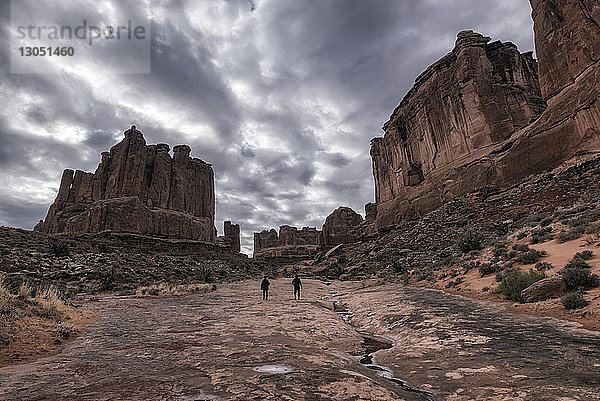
138,188
478,118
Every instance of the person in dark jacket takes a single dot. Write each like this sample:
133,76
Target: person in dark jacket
264,286
297,283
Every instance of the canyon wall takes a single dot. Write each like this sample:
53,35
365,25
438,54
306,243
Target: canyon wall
288,243
479,119
138,188
340,227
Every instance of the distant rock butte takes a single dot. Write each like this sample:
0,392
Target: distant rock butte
138,188
292,243
479,118
338,227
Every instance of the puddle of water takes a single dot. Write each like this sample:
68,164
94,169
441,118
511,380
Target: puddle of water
274,369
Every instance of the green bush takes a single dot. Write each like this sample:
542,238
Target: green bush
574,300
543,266
488,268
530,257
515,281
584,255
570,235
577,263
580,279
541,235
520,247
472,241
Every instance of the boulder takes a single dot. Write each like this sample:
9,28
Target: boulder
549,287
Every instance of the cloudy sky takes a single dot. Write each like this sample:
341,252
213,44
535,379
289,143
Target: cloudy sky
281,96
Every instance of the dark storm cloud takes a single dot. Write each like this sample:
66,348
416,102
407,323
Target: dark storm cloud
282,97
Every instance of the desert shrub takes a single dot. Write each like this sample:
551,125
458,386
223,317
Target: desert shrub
471,241
485,289
499,276
541,235
488,268
519,216
543,266
593,229
520,247
588,217
515,281
584,255
108,279
529,257
512,254
570,235
571,211
470,265
546,222
59,248
574,300
580,279
577,263
522,234
500,252
153,291
537,217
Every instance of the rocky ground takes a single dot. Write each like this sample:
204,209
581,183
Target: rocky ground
116,262
557,212
230,345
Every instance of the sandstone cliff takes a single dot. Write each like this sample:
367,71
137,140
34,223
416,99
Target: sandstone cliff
478,118
138,188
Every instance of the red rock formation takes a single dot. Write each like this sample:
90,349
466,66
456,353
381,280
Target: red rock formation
470,121
289,243
141,189
339,225
232,235
371,212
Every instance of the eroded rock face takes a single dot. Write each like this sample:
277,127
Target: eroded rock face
288,243
473,119
232,235
567,40
475,96
339,225
138,188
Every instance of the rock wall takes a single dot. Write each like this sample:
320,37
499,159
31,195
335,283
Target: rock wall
141,189
477,118
288,243
338,227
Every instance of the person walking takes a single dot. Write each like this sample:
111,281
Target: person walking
297,283
264,286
